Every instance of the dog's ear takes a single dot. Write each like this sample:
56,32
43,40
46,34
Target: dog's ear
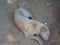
43,30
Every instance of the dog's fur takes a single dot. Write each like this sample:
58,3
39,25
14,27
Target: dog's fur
30,26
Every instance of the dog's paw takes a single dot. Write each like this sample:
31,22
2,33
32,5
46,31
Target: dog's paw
45,23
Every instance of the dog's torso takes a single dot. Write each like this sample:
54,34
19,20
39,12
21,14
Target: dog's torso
27,25
30,26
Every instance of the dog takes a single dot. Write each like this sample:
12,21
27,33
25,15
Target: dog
31,28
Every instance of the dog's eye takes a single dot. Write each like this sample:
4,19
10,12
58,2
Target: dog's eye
30,17
35,35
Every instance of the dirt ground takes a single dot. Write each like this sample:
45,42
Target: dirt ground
42,10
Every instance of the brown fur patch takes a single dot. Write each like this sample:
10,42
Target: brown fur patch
33,25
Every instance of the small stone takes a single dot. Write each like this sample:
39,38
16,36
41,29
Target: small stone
59,32
48,4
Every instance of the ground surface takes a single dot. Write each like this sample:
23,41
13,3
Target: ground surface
41,11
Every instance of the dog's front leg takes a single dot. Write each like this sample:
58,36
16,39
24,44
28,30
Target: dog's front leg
35,38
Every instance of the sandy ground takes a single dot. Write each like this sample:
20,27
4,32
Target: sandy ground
10,34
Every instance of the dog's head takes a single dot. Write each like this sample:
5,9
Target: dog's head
45,33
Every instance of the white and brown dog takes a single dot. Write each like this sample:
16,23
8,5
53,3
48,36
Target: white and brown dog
31,28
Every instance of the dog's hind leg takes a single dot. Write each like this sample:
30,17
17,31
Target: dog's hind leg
24,11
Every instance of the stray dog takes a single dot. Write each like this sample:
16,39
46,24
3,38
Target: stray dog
30,27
